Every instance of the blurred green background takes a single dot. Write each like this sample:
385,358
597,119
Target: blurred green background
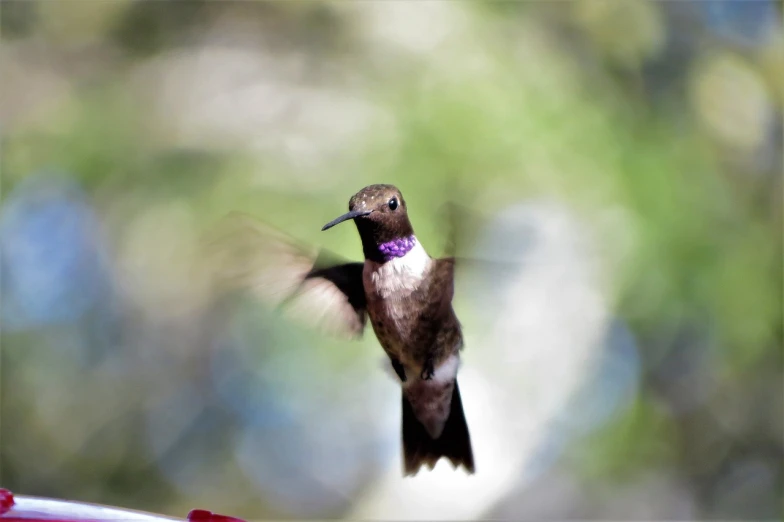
626,155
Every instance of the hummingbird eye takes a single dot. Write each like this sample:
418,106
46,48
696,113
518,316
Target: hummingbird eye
393,204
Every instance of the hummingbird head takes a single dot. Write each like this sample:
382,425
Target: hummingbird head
379,212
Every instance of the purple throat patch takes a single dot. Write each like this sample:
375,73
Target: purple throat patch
397,248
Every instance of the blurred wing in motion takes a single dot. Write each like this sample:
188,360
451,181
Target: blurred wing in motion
317,288
462,225
454,219
474,273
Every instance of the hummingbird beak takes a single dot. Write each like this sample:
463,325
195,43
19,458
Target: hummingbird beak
345,217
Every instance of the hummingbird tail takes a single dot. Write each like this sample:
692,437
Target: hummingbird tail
454,443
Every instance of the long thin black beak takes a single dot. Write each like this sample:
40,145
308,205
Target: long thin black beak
345,217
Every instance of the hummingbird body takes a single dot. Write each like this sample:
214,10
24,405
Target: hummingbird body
423,350
408,297
406,294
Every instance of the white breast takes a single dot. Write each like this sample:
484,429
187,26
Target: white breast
398,277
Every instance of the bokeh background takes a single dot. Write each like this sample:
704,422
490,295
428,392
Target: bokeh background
624,158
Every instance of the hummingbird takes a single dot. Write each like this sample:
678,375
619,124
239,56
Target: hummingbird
404,292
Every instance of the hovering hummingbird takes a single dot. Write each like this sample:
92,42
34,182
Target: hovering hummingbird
406,294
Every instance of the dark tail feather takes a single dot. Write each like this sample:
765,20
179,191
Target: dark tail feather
454,443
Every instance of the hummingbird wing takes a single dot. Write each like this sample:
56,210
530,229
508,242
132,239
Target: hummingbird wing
444,277
318,288
460,224
462,264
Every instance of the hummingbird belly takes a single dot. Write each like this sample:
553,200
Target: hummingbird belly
398,295
394,328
